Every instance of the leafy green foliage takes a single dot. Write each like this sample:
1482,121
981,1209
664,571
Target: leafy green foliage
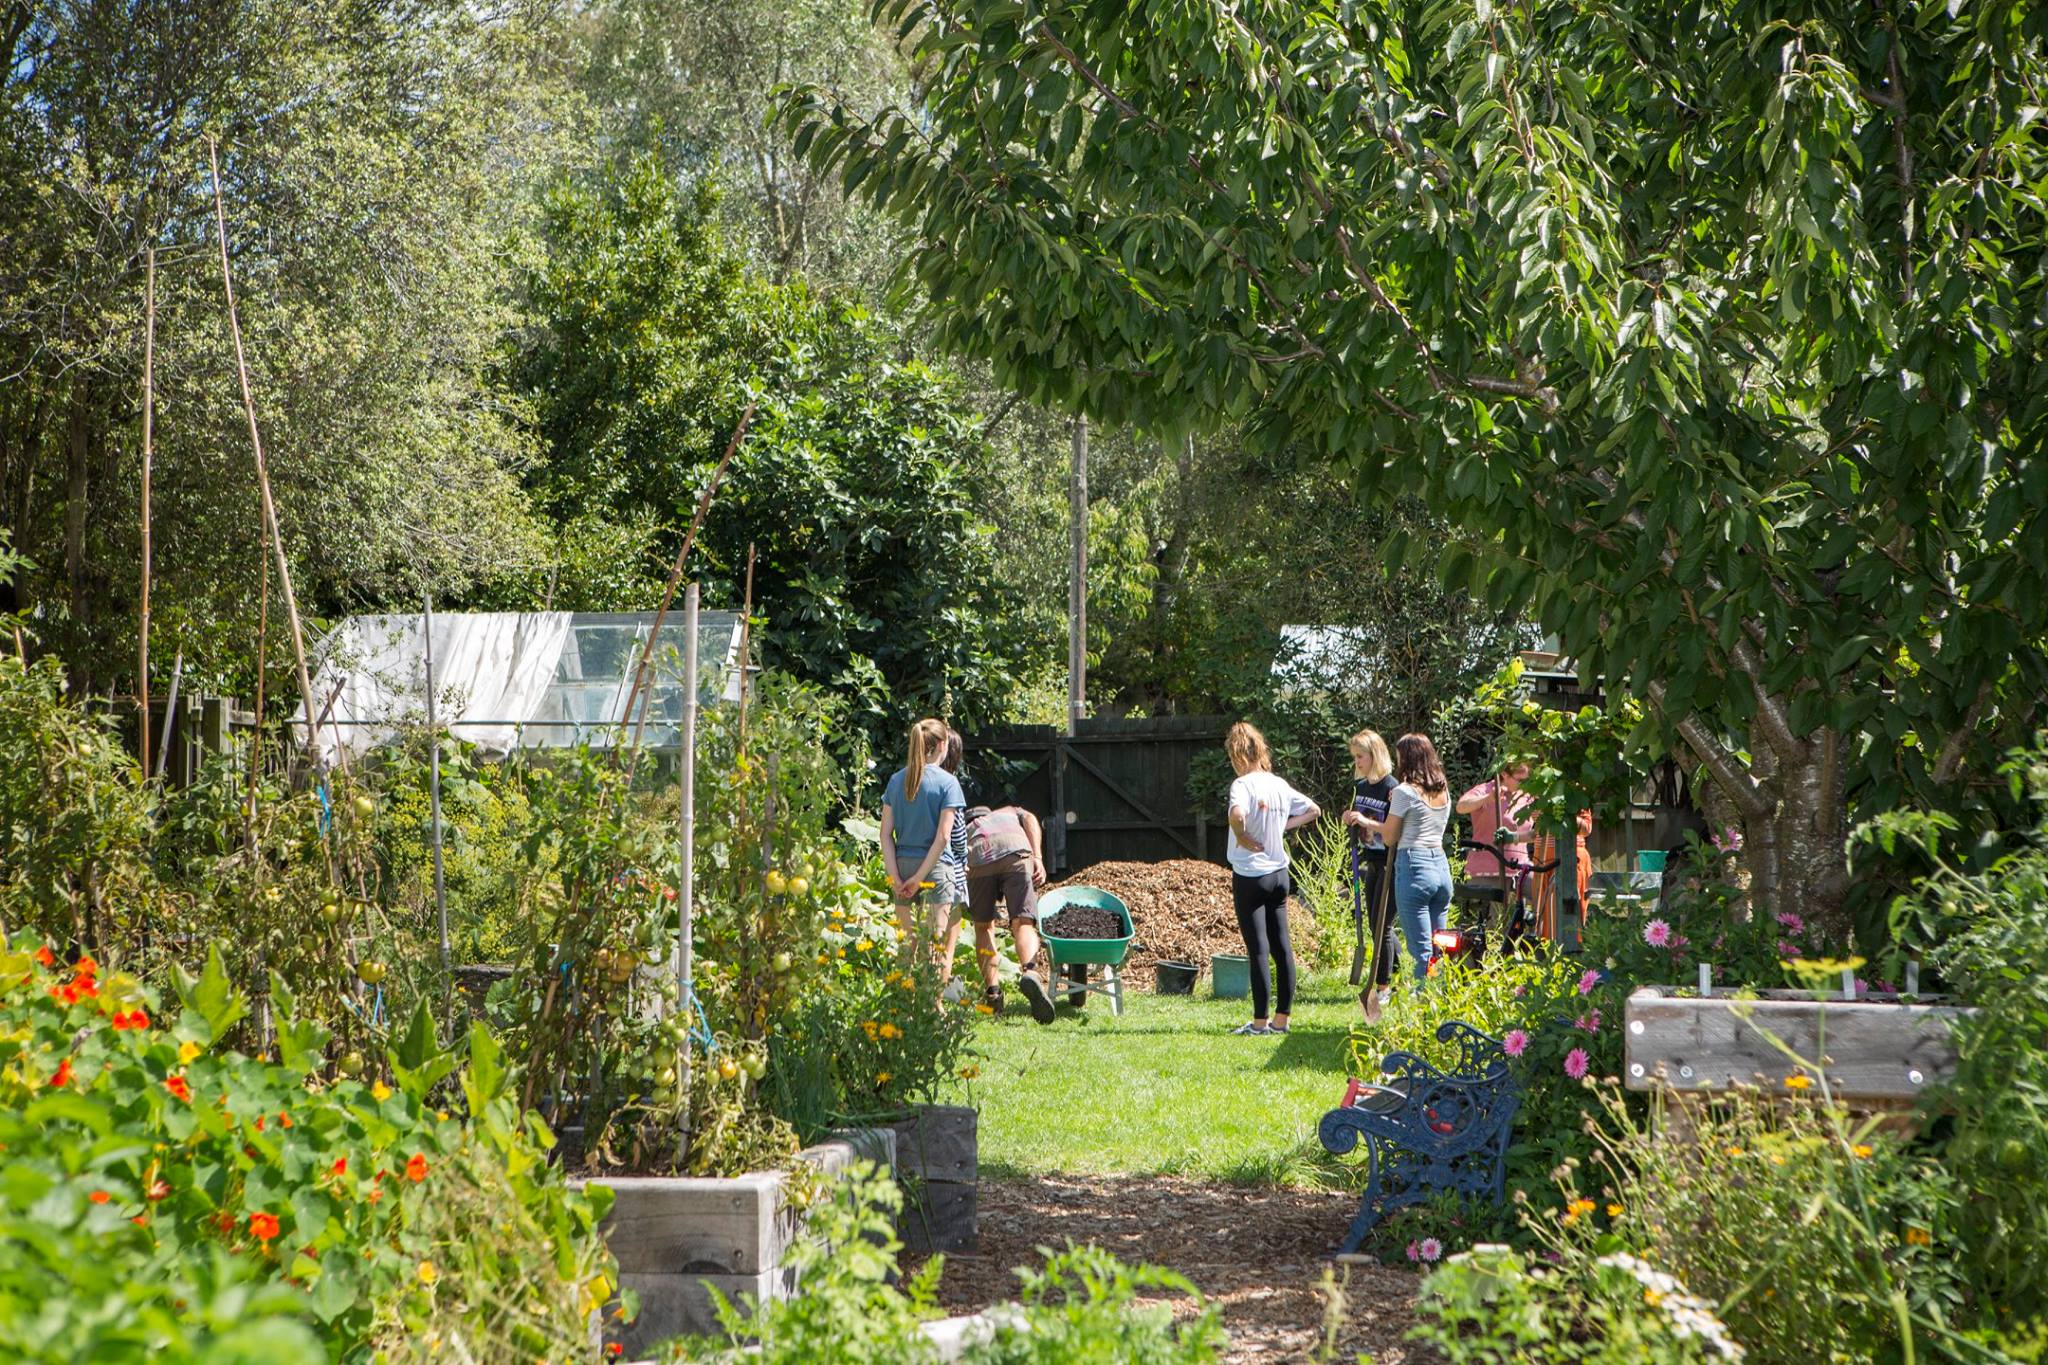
167,1198
1703,326
856,482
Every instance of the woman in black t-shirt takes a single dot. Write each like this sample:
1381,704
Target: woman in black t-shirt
1373,771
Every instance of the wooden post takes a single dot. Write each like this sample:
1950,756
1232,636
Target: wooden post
746,642
686,818
284,568
1077,580
148,437
434,813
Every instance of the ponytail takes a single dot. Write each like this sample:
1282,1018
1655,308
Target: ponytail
926,737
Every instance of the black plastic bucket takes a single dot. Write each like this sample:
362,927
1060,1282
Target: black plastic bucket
1174,978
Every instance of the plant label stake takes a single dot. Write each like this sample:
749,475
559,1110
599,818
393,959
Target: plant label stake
1706,980
1913,977
1848,983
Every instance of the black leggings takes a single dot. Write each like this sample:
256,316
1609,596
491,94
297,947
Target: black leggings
1383,937
1262,919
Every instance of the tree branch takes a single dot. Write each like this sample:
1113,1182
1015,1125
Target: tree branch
1957,746
1718,760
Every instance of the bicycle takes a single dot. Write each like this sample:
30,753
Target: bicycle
1476,914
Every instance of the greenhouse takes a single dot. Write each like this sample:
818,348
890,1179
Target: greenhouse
513,680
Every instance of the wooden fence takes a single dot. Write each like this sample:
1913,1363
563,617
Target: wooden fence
1115,790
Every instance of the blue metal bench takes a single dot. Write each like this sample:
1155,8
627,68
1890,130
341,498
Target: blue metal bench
1427,1130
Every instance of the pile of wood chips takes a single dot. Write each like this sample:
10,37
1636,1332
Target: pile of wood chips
1182,913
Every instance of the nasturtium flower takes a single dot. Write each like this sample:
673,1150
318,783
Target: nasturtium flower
380,1092
416,1168
187,1051
99,1196
45,956
63,1074
341,1165
263,1226
179,1087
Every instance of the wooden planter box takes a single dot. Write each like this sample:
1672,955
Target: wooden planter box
1878,1053
678,1237
937,1153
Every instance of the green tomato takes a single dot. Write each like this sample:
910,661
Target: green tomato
755,1068
776,883
351,1064
781,962
371,971
799,887
363,807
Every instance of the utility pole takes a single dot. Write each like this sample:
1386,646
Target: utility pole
1077,583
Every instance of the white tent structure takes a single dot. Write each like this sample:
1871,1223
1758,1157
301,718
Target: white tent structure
512,680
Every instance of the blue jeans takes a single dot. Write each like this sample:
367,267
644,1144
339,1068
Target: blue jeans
1422,899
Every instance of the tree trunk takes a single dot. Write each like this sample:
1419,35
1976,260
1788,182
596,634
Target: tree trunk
1796,847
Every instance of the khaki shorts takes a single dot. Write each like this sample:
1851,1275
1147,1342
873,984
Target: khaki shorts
1009,883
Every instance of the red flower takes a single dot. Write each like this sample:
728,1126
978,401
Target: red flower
613,1348
68,994
341,1165
225,1221
86,987
178,1086
63,1076
263,1226
284,1120
139,1221
259,1123
85,966
99,1196
416,1169
45,956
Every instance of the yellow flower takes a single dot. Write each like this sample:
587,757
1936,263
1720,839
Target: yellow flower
427,1272
1652,1297
1614,1210
968,1073
821,959
380,1092
882,1077
1577,1209
1919,1237
1861,1150
187,1051
442,1116
864,945
1798,1082
1735,1151
983,1007
842,952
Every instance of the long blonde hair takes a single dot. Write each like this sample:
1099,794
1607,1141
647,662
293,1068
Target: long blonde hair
927,742
1247,748
1368,745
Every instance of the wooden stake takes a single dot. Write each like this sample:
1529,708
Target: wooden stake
746,642
148,434
284,568
262,671
1077,579
636,695
686,872
434,807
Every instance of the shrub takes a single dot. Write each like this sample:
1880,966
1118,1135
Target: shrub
167,1198
1494,1305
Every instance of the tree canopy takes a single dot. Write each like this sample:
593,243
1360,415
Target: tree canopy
1717,334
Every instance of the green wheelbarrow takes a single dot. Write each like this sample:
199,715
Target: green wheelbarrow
1077,955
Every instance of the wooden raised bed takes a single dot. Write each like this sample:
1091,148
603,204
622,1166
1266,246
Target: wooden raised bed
1877,1052
678,1237
937,1164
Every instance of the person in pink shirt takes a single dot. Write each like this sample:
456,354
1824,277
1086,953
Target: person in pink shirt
1499,811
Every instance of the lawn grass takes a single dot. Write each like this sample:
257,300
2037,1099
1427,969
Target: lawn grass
1166,1089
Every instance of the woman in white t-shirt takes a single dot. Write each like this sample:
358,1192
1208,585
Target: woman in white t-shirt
1262,809
1417,814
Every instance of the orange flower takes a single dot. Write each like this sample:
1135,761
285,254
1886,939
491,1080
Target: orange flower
1798,1082
284,1120
1861,1150
178,1086
375,1195
63,1076
259,1123
86,987
99,1196
45,956
416,1169
341,1165
263,1226
139,1221
225,1221
85,966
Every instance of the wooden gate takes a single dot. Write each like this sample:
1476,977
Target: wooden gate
1116,790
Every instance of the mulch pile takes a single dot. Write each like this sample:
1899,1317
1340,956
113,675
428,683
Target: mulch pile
1182,913
1258,1256
1084,921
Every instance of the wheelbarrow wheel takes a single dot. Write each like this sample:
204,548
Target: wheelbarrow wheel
1077,972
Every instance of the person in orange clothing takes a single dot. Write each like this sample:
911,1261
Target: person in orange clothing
1546,903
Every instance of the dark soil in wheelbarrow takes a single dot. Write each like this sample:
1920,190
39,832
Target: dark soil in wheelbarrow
1084,921
1181,912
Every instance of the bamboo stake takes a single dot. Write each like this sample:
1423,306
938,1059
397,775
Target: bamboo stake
148,434
636,699
686,873
434,800
163,752
284,568
262,671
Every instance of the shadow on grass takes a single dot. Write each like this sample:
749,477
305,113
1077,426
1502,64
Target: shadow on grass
1311,1049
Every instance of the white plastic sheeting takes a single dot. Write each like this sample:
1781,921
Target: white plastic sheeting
491,671
512,680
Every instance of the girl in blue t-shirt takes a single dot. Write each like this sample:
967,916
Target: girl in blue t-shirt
920,807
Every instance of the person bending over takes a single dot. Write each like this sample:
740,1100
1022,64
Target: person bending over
1006,866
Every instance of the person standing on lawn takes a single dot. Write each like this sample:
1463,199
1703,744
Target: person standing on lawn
1418,812
1006,864
951,873
1372,788
1263,808
920,806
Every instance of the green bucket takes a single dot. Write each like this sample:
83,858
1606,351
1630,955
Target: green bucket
1230,976
1650,860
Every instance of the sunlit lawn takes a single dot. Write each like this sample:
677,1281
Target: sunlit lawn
1166,1089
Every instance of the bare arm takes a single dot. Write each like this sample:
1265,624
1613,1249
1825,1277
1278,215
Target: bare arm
1388,829
1035,833
1242,830
1308,815
1474,799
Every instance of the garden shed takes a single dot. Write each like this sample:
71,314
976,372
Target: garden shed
505,681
